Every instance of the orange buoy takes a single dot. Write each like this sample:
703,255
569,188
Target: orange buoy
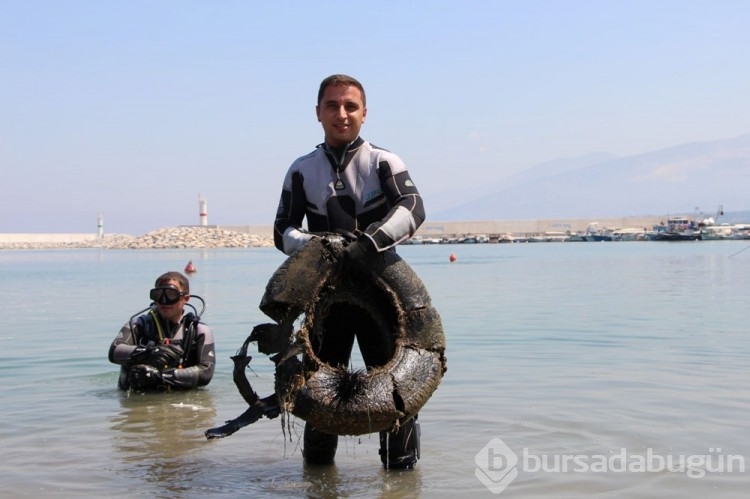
452,258
190,268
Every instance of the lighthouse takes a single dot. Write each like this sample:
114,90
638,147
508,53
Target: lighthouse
202,210
100,226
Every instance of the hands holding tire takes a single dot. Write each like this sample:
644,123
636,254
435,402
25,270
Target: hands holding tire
153,366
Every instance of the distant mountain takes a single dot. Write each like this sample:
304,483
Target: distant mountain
735,217
678,179
446,201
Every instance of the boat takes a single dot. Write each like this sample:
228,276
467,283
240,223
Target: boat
577,237
594,233
679,228
629,234
717,232
683,228
741,231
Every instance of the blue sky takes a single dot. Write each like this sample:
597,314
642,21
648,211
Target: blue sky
132,109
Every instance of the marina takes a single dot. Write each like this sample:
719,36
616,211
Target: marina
708,233
672,228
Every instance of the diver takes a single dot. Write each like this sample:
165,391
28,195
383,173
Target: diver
349,186
162,347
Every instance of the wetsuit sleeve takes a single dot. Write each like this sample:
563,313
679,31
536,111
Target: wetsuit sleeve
201,373
407,212
123,345
288,235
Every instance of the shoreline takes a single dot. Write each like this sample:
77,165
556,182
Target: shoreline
259,236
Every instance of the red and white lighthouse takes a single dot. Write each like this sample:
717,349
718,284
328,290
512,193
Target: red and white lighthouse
202,210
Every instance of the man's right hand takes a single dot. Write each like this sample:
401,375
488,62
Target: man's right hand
166,356
141,354
161,356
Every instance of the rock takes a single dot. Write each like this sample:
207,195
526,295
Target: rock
178,237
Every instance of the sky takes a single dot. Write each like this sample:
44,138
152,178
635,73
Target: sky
132,110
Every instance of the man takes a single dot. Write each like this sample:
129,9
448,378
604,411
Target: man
165,348
349,186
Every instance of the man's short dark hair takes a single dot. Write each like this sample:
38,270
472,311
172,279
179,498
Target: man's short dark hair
174,276
341,80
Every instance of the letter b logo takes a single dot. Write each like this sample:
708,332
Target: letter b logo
496,465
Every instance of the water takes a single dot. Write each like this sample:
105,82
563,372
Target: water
577,349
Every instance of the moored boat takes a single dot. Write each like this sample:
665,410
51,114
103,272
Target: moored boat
741,231
594,233
629,234
683,228
678,228
715,232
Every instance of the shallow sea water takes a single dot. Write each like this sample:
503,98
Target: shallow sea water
620,350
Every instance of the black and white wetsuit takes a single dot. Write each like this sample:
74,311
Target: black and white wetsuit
150,327
360,189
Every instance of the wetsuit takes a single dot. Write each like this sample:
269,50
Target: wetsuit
150,328
364,191
360,189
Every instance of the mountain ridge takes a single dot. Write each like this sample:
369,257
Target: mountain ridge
678,179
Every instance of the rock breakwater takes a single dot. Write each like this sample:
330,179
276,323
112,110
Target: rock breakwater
167,238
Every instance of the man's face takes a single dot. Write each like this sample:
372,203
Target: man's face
342,113
172,311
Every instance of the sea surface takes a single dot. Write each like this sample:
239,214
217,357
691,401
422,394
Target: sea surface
599,356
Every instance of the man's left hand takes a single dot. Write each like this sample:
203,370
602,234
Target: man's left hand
354,252
144,376
167,376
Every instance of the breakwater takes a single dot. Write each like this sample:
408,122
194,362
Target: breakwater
166,238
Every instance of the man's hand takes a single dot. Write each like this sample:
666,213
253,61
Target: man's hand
144,376
168,377
141,353
160,356
166,356
356,254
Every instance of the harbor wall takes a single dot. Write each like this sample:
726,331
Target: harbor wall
529,227
428,229
490,227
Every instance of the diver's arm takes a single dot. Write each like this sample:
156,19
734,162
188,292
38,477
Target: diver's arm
124,345
201,373
403,219
288,235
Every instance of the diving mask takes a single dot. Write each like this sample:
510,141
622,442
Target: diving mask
166,295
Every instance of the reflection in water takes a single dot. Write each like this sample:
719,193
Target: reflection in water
328,481
157,435
404,483
321,481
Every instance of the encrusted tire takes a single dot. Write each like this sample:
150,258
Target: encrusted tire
387,295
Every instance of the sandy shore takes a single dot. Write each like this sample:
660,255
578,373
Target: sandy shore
179,237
